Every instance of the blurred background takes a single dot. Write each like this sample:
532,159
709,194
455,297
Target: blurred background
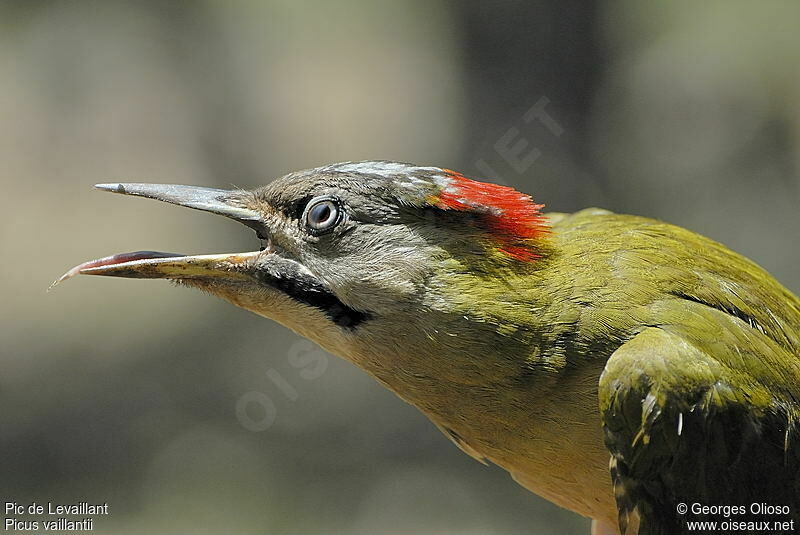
184,413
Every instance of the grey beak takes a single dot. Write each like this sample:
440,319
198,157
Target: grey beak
155,265
217,201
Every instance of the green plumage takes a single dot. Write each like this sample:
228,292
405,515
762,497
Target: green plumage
608,338
700,399
699,350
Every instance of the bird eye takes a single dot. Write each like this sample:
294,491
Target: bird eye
322,214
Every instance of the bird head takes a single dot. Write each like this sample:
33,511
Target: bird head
354,255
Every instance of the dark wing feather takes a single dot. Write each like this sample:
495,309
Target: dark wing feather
684,427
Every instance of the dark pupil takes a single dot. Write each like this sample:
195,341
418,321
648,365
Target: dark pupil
320,213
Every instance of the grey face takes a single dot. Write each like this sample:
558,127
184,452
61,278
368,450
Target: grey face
350,241
354,232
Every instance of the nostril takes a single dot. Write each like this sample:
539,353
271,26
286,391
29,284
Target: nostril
265,237
266,241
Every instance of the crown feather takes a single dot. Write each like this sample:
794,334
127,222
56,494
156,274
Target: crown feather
511,216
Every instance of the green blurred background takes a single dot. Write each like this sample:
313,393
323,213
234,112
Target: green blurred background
127,391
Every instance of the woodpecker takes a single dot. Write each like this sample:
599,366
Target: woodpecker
621,367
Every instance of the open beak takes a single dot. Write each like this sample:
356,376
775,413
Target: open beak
155,265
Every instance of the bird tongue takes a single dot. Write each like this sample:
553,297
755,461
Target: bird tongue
114,260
